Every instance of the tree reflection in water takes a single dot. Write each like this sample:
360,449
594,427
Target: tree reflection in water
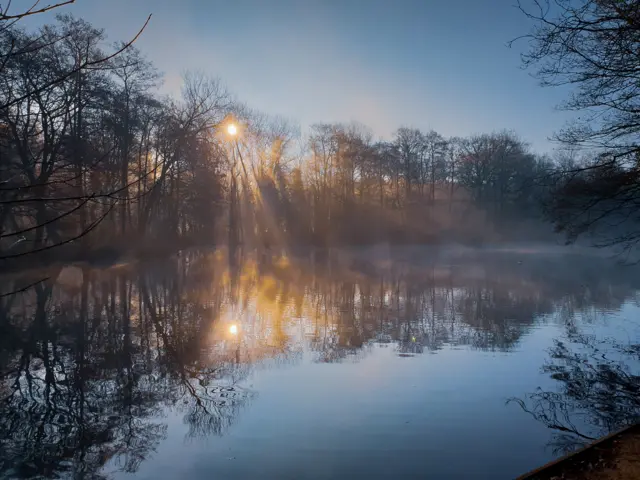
599,390
89,369
93,362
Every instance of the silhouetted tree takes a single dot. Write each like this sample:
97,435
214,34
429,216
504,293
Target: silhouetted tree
592,46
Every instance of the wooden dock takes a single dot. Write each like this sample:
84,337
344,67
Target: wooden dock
614,457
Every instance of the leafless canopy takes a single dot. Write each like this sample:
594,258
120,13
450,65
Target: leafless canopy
592,45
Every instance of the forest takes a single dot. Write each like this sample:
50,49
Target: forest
115,332
95,161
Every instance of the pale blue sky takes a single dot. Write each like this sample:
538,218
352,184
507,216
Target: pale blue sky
440,64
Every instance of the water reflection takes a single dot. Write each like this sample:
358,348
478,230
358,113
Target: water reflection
599,390
93,361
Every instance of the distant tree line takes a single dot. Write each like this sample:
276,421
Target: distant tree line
418,187
94,159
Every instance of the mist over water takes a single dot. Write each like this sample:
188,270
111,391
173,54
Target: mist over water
211,268
352,362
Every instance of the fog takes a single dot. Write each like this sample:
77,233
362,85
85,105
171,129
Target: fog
161,256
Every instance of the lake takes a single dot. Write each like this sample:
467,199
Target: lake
355,363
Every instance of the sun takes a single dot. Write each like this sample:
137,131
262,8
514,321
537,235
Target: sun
232,129
233,329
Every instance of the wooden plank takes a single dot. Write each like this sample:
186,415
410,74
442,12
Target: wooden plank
555,468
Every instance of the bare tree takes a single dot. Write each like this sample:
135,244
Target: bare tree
35,9
43,98
592,45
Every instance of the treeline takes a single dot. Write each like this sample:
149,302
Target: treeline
418,187
93,158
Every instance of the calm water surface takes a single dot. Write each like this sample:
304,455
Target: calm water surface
401,363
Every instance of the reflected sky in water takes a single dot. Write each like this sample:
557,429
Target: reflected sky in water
376,363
